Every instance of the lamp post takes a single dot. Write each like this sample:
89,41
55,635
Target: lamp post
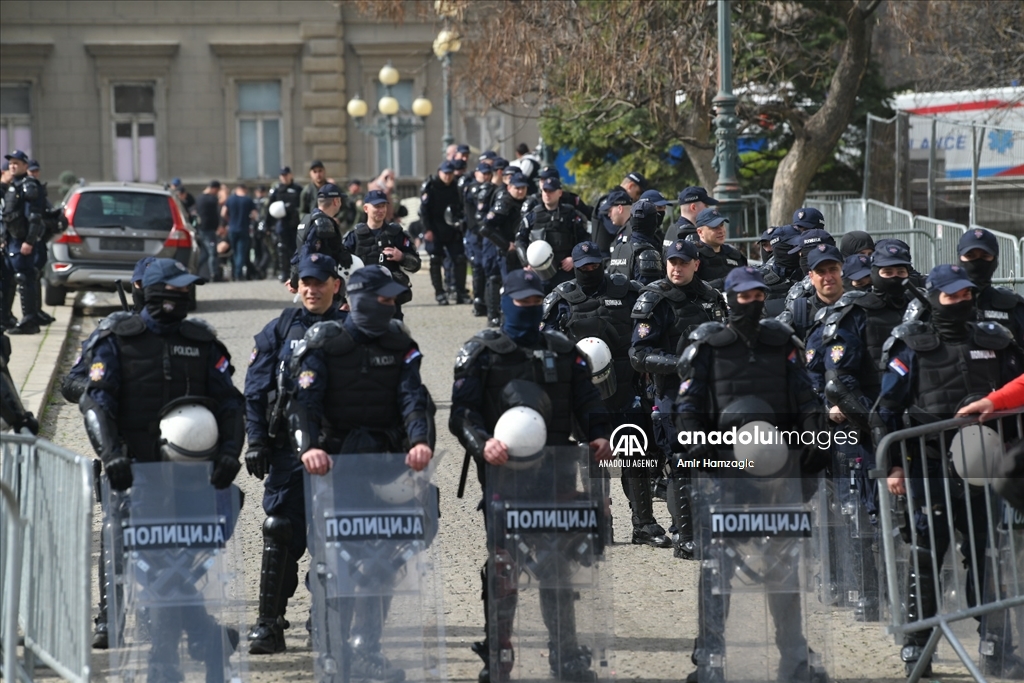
391,125
447,43
727,158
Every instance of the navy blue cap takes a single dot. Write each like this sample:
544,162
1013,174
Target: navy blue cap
320,266
375,197
33,165
767,234
948,279
549,172
655,197
808,218
637,178
140,268
888,241
551,184
710,218
167,271
696,194
684,249
890,254
586,252
459,164
446,167
316,164
462,149
484,168
822,253
374,280
518,180
285,170
643,210
489,154
978,238
499,162
176,182
856,266
17,154
618,197
744,278
784,235
328,190
520,284
811,238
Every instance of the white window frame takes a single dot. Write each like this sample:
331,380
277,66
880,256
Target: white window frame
259,117
134,119
11,121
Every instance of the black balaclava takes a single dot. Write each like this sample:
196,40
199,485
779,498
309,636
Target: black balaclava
784,258
370,316
522,323
979,271
646,225
890,289
744,318
855,242
951,320
166,306
590,280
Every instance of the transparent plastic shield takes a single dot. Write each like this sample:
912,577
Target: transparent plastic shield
172,570
547,609
376,587
757,570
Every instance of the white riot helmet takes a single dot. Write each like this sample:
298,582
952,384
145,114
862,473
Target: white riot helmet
976,452
602,371
407,486
523,431
345,273
188,431
541,258
278,209
761,443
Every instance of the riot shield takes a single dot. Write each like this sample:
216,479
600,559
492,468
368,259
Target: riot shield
757,564
547,611
172,567
377,609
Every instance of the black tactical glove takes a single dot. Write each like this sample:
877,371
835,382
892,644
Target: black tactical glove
225,467
257,460
29,422
119,473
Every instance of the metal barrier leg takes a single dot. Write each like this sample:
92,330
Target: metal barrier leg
961,652
926,656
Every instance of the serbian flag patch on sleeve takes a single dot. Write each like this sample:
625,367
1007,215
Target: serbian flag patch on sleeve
899,366
223,364
413,355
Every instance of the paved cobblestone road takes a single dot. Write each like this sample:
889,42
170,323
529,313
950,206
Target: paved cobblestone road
654,595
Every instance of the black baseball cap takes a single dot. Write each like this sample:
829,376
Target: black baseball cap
17,154
978,238
586,252
518,180
285,170
637,178
710,218
891,254
375,197
488,154
446,166
744,278
618,197
320,266
808,218
316,164
374,280
549,172
167,271
822,253
462,149
551,184
33,165
684,249
499,163
329,190
484,168
809,238
696,194
520,284
948,279
856,266
655,197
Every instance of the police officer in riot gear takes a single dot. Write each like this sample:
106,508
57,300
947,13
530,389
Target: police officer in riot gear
663,317
386,244
716,257
287,191
783,270
979,257
322,235
558,224
932,369
167,357
727,364
570,198
472,193
825,273
799,248
638,256
24,204
269,452
500,225
611,218
692,201
359,391
441,195
857,273
501,369
12,411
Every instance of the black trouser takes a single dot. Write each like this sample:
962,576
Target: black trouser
454,249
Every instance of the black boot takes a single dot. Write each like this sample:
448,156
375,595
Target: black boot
44,317
7,319
920,605
646,531
29,323
682,518
267,636
492,300
479,287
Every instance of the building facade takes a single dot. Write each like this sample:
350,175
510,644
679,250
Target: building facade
149,90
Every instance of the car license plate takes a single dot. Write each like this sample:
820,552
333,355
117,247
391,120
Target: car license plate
120,244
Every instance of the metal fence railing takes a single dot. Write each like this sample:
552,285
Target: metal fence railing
946,237
1008,271
54,491
943,511
10,579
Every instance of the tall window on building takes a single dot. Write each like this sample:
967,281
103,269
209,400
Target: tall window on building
16,118
403,150
486,131
259,128
134,120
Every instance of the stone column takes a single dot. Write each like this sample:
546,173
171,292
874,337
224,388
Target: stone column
323,99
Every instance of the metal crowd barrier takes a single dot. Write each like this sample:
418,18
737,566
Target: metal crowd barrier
53,488
10,579
938,507
946,238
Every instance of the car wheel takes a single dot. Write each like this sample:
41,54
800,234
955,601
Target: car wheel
192,305
54,295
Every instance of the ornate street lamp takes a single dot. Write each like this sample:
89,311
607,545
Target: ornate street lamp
392,123
445,45
727,158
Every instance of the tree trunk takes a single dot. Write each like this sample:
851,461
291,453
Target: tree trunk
815,138
701,158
